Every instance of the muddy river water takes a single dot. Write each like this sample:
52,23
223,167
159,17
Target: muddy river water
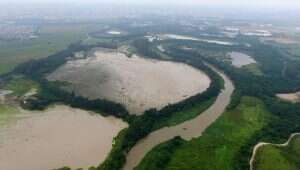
60,136
135,82
187,130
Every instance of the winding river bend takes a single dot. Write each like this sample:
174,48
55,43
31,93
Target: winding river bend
187,130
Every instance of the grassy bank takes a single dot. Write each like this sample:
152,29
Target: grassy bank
20,85
157,160
184,115
270,157
221,142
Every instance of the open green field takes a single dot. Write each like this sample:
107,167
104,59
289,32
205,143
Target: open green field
51,39
270,157
220,143
20,85
93,40
254,69
16,52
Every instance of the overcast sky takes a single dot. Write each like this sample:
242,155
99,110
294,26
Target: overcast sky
227,3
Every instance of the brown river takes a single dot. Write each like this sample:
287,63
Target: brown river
187,130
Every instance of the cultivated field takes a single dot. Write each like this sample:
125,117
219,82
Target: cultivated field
50,40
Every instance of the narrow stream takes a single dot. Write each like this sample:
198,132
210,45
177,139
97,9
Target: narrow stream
187,130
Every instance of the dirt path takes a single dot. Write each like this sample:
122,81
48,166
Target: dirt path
187,130
261,144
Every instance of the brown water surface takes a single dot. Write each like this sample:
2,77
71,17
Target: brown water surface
60,136
137,83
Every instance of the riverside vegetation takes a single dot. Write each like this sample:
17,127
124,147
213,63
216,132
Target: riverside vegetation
139,126
280,117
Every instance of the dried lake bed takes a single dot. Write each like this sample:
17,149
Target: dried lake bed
60,136
137,83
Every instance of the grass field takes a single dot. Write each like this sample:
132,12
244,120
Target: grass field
270,157
220,143
254,69
92,40
20,85
51,39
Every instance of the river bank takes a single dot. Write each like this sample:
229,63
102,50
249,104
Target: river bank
187,130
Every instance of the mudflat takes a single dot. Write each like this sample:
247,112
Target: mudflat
137,83
60,136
